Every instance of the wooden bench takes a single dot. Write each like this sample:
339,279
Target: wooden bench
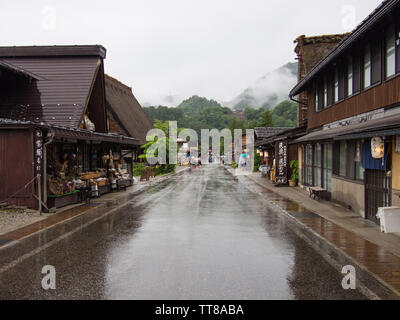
318,193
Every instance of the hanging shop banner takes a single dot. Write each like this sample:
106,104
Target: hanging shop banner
377,148
38,150
368,161
281,162
397,144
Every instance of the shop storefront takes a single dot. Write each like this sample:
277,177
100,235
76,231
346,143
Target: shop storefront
70,165
371,168
90,167
279,151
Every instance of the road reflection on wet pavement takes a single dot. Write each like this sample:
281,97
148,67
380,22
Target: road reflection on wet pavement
200,235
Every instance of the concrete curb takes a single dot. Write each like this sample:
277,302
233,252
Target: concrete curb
367,282
16,251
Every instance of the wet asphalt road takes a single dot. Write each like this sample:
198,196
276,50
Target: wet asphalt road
197,236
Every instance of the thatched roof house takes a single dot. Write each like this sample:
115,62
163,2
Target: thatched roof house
126,115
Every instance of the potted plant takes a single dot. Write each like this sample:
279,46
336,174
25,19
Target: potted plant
294,166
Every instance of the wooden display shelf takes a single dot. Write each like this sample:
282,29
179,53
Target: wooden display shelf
104,189
60,201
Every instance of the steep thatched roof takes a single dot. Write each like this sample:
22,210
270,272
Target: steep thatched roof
326,38
126,109
312,50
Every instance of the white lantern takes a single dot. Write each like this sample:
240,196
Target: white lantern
377,148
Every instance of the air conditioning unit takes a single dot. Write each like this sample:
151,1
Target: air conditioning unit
390,219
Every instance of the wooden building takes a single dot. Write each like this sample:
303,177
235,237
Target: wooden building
310,51
61,128
278,149
353,111
279,146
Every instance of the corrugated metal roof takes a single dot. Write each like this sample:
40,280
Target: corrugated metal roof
66,132
18,71
53,51
127,109
60,96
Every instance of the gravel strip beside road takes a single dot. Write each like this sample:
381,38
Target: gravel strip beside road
12,219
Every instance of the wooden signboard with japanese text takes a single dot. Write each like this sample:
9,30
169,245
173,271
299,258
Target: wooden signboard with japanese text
281,162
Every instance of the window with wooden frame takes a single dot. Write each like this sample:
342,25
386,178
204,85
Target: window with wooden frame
308,164
327,166
330,89
325,92
349,76
321,96
376,63
390,51
317,167
367,67
336,85
345,163
356,74
341,75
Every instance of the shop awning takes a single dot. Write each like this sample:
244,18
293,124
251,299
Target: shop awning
288,134
370,134
361,130
69,133
92,136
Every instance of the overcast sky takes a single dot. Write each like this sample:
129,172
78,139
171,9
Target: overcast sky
212,48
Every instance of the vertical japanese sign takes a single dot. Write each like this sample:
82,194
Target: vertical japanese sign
38,151
281,155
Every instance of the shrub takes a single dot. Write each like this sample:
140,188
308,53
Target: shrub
294,166
257,161
138,169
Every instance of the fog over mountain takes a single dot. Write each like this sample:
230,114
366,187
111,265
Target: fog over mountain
269,90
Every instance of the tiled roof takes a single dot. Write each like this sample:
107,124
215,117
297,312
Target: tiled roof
265,132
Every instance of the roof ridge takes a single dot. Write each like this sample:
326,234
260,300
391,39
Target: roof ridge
117,81
54,50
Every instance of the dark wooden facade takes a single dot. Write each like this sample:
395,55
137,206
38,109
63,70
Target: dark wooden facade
353,95
310,51
16,167
384,94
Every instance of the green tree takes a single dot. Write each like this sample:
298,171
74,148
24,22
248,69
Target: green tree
257,161
285,114
266,119
160,168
